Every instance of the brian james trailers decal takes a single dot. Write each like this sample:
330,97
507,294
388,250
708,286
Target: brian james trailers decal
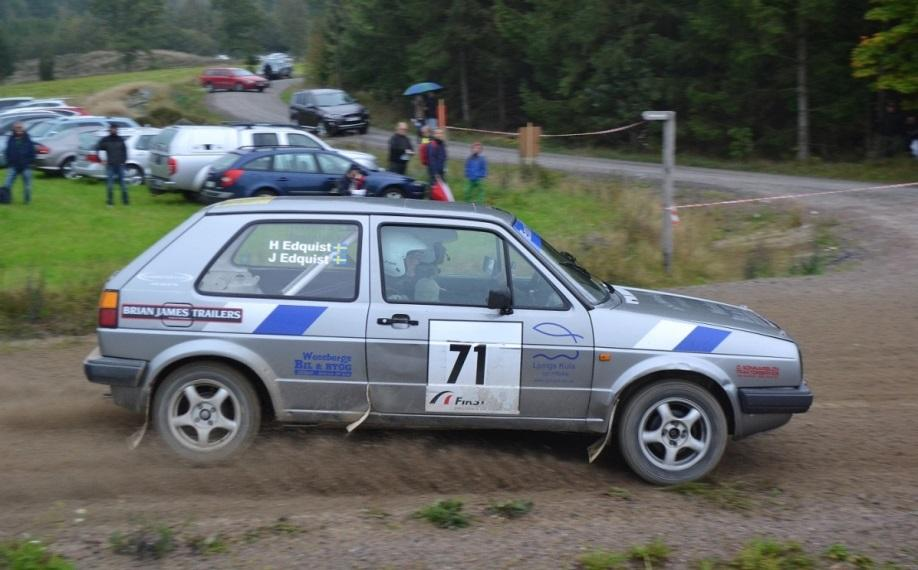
182,312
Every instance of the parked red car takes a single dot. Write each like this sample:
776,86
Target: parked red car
234,78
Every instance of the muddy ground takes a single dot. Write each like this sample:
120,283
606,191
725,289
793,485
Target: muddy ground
846,472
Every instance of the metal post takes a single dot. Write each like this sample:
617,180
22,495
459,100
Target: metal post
669,163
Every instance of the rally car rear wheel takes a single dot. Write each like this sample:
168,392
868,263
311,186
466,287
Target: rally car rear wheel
206,411
672,432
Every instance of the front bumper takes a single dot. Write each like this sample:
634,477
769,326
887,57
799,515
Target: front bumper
790,400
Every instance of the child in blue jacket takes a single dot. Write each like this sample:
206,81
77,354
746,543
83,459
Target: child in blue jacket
476,170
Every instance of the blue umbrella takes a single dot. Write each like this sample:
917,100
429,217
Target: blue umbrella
424,87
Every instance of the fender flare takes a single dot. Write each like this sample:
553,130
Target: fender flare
673,363
219,349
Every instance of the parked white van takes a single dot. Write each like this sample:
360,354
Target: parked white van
181,155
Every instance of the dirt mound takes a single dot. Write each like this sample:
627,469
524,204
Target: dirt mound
101,62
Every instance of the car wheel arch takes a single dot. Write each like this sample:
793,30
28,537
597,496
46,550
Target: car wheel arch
729,405
238,358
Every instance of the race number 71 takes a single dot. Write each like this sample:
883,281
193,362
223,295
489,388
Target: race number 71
463,350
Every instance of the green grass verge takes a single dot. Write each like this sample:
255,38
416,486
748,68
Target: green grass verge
59,250
79,87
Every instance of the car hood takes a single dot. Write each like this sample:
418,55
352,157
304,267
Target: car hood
349,109
696,310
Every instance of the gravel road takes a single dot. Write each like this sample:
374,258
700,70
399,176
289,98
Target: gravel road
846,472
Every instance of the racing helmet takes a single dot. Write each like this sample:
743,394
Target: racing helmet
397,244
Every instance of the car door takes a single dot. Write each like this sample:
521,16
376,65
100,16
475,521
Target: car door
297,173
434,348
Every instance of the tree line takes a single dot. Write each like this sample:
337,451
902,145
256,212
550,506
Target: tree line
748,78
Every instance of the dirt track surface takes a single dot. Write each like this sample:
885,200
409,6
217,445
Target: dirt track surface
845,472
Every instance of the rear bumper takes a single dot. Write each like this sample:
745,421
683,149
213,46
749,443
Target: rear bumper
159,185
792,400
116,372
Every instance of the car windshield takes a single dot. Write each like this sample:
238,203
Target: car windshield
242,72
332,98
594,289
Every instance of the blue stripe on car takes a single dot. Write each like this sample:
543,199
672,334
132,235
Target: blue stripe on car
702,339
289,320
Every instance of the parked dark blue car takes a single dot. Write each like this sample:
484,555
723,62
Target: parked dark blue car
296,171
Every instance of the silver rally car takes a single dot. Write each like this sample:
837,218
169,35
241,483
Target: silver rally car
341,311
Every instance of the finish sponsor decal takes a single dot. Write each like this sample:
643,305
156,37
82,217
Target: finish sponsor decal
448,398
182,312
324,364
557,331
750,371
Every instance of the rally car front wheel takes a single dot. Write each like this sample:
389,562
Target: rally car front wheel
206,411
672,432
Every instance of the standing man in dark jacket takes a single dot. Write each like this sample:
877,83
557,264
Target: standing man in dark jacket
115,157
400,149
436,156
20,152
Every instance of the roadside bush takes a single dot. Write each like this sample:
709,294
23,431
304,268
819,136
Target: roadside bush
46,67
31,555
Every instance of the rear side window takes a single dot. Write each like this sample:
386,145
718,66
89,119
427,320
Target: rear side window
299,162
333,164
224,162
264,139
299,260
262,163
296,139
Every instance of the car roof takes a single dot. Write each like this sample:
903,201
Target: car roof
320,91
367,206
129,131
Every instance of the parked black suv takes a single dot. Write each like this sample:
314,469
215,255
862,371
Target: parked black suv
328,111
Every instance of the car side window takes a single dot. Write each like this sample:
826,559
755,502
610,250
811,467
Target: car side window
315,261
296,139
333,164
442,266
261,163
264,139
531,290
298,162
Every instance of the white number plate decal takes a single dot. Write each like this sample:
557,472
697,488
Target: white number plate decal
474,367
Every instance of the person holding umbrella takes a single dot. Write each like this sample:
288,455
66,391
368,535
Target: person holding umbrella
426,90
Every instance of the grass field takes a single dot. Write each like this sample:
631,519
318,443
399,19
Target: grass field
58,251
81,87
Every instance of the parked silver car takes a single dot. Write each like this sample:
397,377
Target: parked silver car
422,314
181,155
137,141
57,141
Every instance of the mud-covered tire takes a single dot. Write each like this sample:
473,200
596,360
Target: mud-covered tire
206,412
672,432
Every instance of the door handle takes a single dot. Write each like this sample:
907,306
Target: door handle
283,179
399,319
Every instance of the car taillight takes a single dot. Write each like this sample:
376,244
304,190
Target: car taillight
108,309
42,149
230,177
173,165
93,158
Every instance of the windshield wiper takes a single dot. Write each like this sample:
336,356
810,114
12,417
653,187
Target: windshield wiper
571,261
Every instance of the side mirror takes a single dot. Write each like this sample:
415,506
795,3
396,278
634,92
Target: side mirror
501,299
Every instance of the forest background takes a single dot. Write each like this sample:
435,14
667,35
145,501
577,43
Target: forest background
777,79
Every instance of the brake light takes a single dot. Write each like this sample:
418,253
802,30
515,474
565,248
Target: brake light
108,309
42,149
230,177
93,158
173,165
